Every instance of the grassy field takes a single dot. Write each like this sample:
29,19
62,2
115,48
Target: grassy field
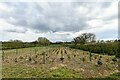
57,62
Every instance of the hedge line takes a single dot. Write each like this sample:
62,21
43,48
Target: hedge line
101,48
16,45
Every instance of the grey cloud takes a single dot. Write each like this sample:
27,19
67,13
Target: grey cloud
45,17
112,17
16,30
39,17
106,4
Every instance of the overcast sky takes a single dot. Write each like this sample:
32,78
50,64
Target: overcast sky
57,21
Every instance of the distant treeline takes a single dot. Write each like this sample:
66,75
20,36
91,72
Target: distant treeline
109,48
16,45
85,41
19,44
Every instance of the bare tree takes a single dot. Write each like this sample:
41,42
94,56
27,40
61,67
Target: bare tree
84,38
91,37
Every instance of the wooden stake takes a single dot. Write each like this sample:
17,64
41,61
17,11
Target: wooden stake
44,58
90,55
3,55
16,51
35,51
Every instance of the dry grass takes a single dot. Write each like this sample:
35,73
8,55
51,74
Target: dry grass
28,62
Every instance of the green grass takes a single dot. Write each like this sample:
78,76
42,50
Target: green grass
41,71
37,72
115,75
64,73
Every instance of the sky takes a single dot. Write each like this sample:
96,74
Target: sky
58,21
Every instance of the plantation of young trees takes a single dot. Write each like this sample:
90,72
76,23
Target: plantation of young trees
84,57
41,62
85,41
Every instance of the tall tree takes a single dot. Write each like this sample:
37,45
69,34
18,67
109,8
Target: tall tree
84,38
43,41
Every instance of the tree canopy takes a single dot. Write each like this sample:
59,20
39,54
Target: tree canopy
84,38
43,41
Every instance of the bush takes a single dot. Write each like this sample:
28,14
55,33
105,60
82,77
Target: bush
114,59
95,57
100,48
117,55
61,59
29,59
111,53
65,52
100,56
68,57
83,59
15,59
74,55
99,62
20,57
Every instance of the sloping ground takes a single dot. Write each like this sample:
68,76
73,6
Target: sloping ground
59,62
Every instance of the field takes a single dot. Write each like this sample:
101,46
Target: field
56,62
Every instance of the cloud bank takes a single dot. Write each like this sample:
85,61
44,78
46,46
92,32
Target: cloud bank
58,21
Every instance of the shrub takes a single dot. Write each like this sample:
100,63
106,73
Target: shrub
100,56
20,57
95,57
111,53
15,59
74,55
114,59
65,52
36,56
30,59
117,55
111,48
83,53
83,59
61,59
57,52
68,56
99,62
43,53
